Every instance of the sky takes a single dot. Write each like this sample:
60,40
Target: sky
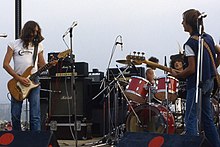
153,27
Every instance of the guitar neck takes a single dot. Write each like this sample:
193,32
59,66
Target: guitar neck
45,67
157,66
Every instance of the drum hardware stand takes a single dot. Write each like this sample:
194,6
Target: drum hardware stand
149,98
26,124
139,122
113,136
167,100
115,133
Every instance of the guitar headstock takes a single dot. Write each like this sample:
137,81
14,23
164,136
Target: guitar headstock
64,54
137,59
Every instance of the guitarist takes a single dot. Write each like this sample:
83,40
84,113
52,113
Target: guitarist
22,52
191,18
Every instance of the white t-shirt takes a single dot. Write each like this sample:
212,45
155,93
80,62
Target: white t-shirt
189,51
23,57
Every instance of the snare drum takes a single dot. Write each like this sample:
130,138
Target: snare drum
137,89
153,118
161,88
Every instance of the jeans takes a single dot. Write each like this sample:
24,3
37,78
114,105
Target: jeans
206,114
34,106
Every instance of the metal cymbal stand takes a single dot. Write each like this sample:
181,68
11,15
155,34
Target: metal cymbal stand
108,139
167,100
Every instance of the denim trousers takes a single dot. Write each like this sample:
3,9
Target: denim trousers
34,107
207,121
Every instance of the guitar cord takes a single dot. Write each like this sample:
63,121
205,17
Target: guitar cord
8,96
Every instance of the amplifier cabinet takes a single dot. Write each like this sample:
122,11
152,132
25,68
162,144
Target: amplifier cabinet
61,101
114,72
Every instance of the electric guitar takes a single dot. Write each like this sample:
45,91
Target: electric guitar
141,59
19,91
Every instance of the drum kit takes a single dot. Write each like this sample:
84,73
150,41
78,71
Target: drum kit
163,112
154,115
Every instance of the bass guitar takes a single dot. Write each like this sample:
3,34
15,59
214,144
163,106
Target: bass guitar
138,60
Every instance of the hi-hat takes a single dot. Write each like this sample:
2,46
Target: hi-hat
128,62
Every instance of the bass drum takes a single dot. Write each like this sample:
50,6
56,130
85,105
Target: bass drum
153,118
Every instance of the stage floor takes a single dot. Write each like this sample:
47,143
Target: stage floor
81,143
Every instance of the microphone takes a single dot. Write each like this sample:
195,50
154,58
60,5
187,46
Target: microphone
120,43
202,15
68,30
4,35
36,40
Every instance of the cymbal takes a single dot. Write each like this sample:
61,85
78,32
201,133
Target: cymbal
127,62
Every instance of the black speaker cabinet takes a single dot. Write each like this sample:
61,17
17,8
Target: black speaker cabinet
132,71
45,83
28,139
61,101
146,139
45,87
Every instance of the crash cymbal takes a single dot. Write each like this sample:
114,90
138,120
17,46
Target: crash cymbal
129,62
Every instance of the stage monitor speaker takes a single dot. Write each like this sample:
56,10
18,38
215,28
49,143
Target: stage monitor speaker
28,139
61,101
146,139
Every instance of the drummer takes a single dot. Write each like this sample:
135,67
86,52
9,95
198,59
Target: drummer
151,76
177,62
150,71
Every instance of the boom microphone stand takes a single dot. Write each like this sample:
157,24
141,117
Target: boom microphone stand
107,78
73,83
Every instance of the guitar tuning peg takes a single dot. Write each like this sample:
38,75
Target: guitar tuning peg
134,52
142,53
138,53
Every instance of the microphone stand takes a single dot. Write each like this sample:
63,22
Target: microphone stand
166,93
198,100
108,89
73,83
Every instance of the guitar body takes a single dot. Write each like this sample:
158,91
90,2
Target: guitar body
19,91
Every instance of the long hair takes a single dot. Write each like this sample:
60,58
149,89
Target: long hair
191,18
27,33
173,61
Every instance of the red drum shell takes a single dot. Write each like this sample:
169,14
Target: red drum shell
153,118
173,84
137,89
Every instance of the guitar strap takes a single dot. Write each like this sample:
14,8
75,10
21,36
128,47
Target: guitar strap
211,56
35,53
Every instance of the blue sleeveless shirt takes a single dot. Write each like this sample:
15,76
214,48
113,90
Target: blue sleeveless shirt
208,70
